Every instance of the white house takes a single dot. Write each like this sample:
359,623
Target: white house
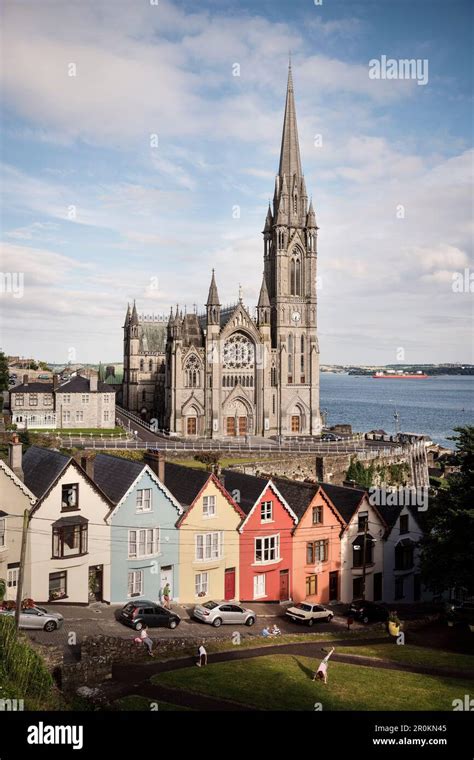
402,555
365,527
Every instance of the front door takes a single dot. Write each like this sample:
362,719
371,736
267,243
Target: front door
192,425
95,583
166,577
295,423
284,585
258,586
242,425
230,426
333,585
377,587
229,583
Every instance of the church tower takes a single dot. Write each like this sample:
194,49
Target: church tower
290,255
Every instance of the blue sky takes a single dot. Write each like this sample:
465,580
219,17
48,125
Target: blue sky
95,214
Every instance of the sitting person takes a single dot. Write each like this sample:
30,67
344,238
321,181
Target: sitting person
266,632
275,631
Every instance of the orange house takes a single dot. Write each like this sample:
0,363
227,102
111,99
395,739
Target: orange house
316,542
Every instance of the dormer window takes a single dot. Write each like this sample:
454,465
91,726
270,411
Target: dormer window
70,497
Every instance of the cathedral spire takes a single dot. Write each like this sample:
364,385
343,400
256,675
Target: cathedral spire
213,297
134,320
263,299
290,161
127,316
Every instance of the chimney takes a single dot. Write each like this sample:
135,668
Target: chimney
15,456
55,382
93,383
25,379
217,470
87,464
156,461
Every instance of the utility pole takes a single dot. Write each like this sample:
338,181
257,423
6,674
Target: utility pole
364,559
21,571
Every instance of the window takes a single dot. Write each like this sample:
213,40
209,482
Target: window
362,519
404,555
67,416
79,416
3,530
106,398
201,584
209,506
67,398
399,588
135,583
106,416
57,585
12,576
144,500
192,375
259,589
311,585
84,398
208,546
266,511
18,400
317,551
70,497
404,524
150,365
267,549
33,399
142,365
143,542
317,515
69,540
358,551
47,399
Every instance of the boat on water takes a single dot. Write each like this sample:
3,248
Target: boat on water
399,375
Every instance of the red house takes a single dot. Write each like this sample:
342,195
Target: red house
266,556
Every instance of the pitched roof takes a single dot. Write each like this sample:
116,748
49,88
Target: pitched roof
32,388
346,500
297,494
80,384
184,483
115,475
250,487
41,468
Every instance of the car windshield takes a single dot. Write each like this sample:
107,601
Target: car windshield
304,607
210,605
129,607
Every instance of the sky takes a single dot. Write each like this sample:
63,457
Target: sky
140,141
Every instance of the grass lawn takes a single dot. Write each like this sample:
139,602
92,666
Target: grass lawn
412,655
284,683
142,704
80,431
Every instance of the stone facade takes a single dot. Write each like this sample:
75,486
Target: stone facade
225,373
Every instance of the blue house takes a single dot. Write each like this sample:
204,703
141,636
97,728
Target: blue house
144,552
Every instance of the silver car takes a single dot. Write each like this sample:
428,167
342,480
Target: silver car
217,613
37,618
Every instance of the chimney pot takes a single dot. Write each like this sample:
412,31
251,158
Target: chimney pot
25,379
93,384
87,464
156,461
55,381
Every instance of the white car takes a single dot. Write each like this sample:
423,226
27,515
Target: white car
305,612
37,618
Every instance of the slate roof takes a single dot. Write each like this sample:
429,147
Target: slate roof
298,495
79,384
346,500
41,468
249,486
33,388
184,482
115,475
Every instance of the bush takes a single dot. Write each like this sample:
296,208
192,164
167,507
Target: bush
22,665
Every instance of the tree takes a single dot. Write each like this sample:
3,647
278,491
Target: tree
447,549
3,372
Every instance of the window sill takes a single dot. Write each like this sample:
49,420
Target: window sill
71,556
268,563
70,509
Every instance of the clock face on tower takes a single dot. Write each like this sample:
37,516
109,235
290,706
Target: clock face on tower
296,316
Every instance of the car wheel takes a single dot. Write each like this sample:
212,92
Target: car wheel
217,622
310,622
250,621
173,624
365,620
329,618
138,626
50,626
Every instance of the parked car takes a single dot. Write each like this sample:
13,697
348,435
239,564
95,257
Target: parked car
460,612
304,612
143,612
368,612
331,437
217,613
37,618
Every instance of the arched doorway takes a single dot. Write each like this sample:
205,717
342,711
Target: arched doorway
238,419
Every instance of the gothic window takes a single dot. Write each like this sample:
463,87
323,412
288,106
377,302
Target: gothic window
142,365
192,375
295,203
150,365
239,352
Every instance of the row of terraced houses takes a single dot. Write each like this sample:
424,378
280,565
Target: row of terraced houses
111,529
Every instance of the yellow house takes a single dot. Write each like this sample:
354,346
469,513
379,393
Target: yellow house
208,535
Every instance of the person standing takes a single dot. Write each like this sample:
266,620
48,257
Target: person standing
322,671
166,596
202,656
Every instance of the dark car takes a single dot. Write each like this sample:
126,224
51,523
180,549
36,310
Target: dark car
461,612
368,612
143,612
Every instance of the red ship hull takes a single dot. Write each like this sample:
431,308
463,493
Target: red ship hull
399,377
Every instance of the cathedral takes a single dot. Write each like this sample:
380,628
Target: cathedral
226,373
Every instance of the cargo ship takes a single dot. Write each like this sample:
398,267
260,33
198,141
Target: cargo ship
399,375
